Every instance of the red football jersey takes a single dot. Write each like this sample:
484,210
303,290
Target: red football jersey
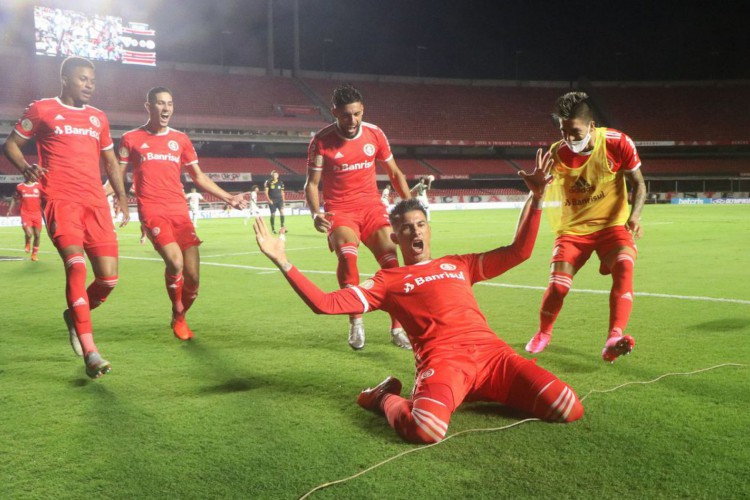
621,153
348,166
157,161
29,195
433,301
69,142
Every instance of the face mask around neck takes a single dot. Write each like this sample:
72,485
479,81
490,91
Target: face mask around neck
579,146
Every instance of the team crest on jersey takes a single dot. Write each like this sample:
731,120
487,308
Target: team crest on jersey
36,191
26,124
95,121
173,145
369,149
367,284
447,267
155,231
427,373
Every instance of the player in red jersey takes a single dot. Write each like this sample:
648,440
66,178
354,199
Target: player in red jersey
71,137
157,153
343,156
28,196
458,357
589,212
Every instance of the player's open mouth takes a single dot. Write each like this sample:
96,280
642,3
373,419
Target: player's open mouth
417,246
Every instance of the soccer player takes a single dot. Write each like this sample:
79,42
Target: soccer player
274,188
458,357
420,193
252,209
71,136
194,198
157,153
385,197
27,194
343,156
589,212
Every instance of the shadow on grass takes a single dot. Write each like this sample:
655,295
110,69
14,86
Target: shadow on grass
720,325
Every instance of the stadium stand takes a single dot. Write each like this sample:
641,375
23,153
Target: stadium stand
695,166
686,113
424,119
471,166
422,113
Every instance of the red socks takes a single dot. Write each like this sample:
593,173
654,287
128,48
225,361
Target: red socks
621,296
174,285
78,301
387,261
99,290
559,286
189,294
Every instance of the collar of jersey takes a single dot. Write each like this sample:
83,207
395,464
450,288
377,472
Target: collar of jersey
59,101
338,133
160,133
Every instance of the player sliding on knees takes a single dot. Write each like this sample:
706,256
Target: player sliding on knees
157,153
458,356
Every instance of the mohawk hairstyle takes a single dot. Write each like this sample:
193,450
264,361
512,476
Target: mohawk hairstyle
345,94
573,105
402,208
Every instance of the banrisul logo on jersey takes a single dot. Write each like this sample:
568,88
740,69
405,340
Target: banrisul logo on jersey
70,130
421,280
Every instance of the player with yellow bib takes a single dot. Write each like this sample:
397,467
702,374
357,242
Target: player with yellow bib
587,205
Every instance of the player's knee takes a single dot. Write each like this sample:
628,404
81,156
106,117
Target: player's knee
558,291
418,436
427,423
558,402
624,262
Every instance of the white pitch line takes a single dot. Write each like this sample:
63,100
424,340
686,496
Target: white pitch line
257,252
637,294
271,270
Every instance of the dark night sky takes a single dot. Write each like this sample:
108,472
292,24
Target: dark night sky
532,40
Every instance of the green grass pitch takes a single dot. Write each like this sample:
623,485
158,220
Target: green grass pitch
262,403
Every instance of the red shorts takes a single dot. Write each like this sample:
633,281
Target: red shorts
31,220
71,223
576,249
165,229
493,372
364,222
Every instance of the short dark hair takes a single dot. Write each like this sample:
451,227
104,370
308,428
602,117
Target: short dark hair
573,105
72,62
345,94
402,208
151,94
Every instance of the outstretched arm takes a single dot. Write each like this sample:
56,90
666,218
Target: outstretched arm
345,301
496,262
205,184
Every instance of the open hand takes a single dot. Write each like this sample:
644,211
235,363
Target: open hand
537,180
271,246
